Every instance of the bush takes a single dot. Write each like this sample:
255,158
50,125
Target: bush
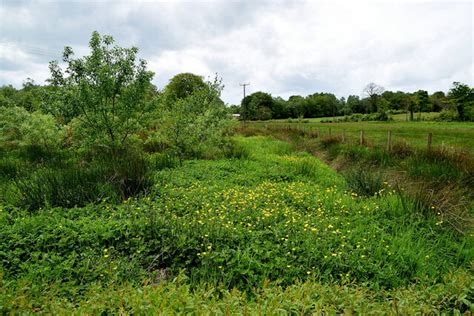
160,161
448,116
329,141
194,123
19,129
401,149
378,116
9,168
236,150
364,182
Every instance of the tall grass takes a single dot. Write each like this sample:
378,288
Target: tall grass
78,183
63,188
364,182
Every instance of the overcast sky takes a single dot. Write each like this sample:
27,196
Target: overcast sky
281,47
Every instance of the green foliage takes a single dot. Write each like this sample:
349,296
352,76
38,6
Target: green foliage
364,182
462,96
59,179
64,188
109,89
422,101
29,97
257,106
175,296
20,128
278,226
378,116
191,125
182,86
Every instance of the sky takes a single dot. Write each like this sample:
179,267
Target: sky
281,47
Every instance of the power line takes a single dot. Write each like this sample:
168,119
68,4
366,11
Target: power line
244,85
30,49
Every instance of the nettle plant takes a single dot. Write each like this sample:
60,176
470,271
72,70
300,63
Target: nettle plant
111,90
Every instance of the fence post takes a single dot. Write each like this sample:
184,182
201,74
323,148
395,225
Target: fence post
430,140
319,132
343,136
389,141
361,140
329,131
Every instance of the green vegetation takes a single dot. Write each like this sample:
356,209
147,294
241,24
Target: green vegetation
430,176
377,104
256,225
119,198
459,135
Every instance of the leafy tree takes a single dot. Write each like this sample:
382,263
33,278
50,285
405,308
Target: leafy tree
248,110
462,96
422,101
297,105
109,89
233,109
194,122
438,101
354,105
411,105
280,108
257,106
8,96
182,86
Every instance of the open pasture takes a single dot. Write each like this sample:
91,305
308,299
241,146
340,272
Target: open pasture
459,135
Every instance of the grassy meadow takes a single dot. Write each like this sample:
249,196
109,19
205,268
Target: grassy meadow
459,135
267,229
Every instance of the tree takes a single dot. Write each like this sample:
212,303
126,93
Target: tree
280,108
195,121
297,105
354,105
438,101
373,92
8,96
182,86
108,88
422,101
410,104
462,96
248,111
257,106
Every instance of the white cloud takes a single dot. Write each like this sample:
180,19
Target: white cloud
283,47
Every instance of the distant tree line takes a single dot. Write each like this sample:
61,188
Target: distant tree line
457,104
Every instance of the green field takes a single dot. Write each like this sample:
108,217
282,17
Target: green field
403,117
268,230
459,135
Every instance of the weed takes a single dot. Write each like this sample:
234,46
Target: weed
364,182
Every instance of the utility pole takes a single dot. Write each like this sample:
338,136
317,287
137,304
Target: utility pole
244,85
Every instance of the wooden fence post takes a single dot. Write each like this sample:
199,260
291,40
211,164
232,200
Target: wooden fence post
389,141
430,140
343,136
361,140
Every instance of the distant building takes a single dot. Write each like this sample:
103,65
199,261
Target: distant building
236,116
